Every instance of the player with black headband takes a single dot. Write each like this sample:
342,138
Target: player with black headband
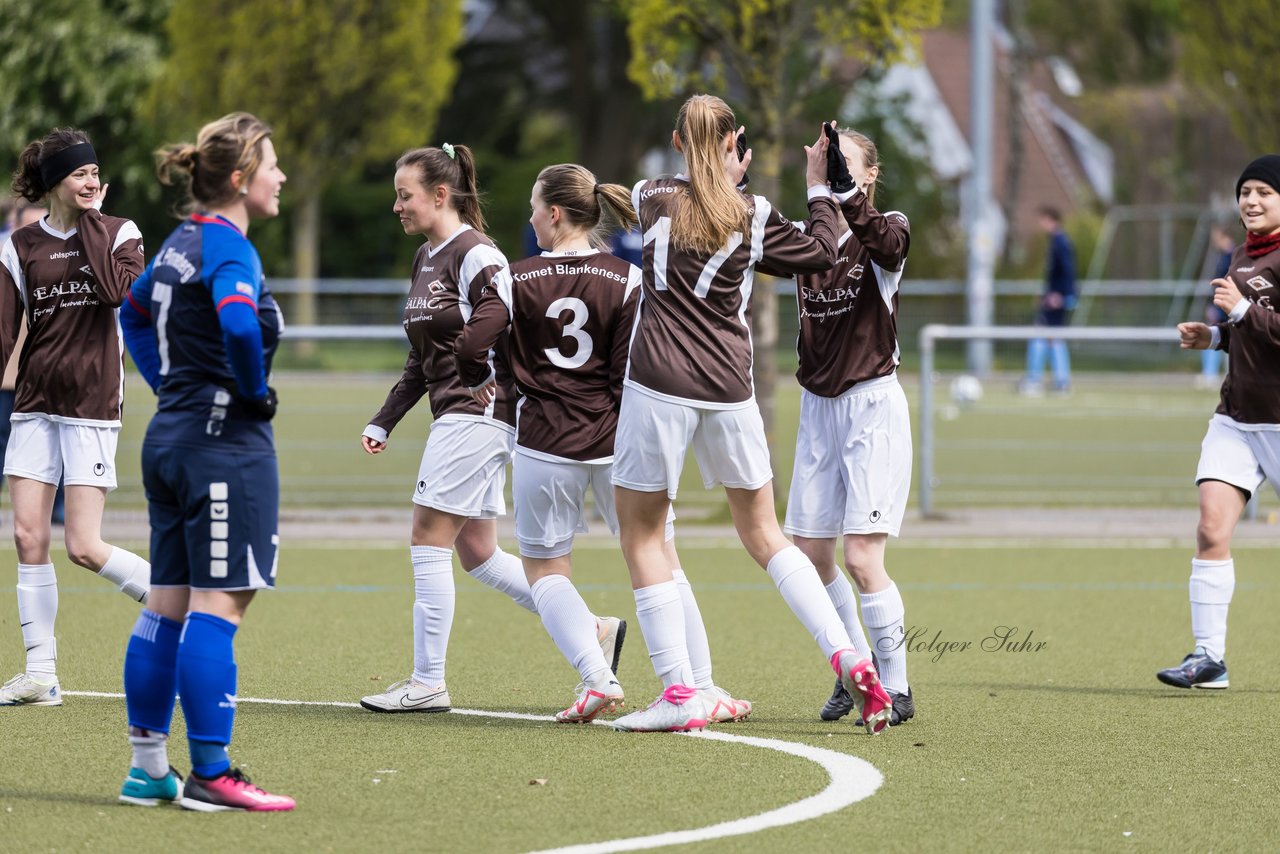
65,274
853,448
1241,448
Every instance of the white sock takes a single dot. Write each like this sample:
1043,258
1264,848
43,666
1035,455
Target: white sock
433,601
695,633
661,618
840,592
883,612
130,574
37,612
150,751
802,590
1212,583
505,573
568,620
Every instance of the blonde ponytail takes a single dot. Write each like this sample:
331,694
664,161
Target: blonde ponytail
712,208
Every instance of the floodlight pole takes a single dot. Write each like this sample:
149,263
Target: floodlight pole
980,232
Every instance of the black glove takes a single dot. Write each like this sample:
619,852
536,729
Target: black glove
742,152
837,169
264,408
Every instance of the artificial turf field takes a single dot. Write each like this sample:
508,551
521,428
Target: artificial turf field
1074,746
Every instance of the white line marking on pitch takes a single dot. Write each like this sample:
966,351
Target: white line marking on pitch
851,780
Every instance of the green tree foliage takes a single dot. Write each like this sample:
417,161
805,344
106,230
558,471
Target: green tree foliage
1111,42
775,54
343,83
1229,50
552,75
81,63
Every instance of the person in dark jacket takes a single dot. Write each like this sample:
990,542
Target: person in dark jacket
1058,299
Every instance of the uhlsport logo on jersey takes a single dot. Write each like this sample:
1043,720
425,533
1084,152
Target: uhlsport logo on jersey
422,486
99,469
874,516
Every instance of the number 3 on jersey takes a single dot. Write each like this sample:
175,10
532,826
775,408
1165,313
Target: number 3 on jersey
573,329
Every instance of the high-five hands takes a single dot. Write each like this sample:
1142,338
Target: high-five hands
838,175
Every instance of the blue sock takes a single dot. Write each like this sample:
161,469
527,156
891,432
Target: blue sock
207,687
151,671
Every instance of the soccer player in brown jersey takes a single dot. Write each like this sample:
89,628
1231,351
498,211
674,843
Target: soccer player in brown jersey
1241,448
458,494
853,448
689,381
569,312
65,274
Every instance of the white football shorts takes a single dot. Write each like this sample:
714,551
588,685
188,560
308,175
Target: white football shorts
464,467
853,462
654,435
1241,457
51,451
550,498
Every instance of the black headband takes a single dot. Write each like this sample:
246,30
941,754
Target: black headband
57,166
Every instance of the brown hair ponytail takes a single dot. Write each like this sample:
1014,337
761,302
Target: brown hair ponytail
203,169
452,166
583,202
712,208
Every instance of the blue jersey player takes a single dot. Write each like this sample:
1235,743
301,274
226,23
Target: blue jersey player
202,328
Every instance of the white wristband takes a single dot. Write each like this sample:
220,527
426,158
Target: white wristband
841,198
1237,311
493,376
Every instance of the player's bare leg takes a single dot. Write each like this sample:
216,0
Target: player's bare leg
1213,581
642,521
797,581
85,547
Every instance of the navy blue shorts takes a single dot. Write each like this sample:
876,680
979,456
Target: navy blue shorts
213,517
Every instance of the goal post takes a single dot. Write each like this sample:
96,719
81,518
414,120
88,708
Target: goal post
934,332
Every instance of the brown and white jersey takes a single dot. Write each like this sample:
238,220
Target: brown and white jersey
692,339
570,316
68,287
848,314
445,288
1251,391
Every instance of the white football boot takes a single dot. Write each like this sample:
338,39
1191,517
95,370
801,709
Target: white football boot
23,690
678,709
408,696
724,708
604,696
